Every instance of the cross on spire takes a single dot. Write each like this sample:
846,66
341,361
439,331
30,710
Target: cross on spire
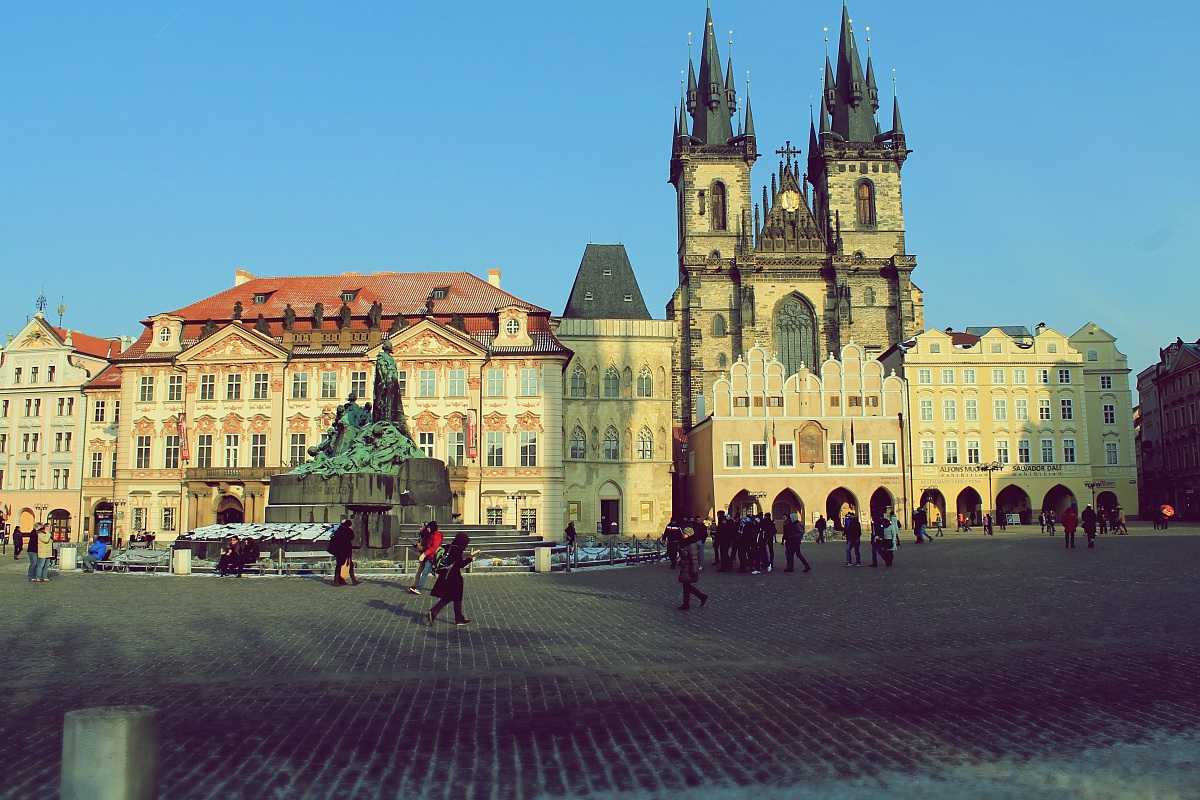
788,151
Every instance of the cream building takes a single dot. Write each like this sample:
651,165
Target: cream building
43,413
217,397
1002,418
818,442
617,401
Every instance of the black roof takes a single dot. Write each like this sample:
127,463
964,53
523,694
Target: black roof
605,286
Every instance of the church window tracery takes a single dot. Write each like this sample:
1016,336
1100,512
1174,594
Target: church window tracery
795,335
612,383
645,383
612,444
578,443
578,382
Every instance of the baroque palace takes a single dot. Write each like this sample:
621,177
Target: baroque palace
792,372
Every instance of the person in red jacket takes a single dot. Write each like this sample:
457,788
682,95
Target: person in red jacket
430,541
1070,521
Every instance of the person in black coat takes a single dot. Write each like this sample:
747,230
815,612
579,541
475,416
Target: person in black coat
341,547
449,585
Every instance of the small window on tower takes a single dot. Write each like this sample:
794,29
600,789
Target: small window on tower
607,273
718,207
866,203
628,298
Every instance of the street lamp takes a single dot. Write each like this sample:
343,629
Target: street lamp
1092,485
41,509
516,500
758,496
995,466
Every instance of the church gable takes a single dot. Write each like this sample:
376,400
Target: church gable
790,226
427,338
234,344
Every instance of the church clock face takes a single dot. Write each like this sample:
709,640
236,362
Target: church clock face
790,200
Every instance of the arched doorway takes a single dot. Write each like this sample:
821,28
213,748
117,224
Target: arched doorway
840,502
1058,500
934,504
610,509
881,501
1106,501
970,505
229,510
1014,500
785,503
60,524
744,503
26,520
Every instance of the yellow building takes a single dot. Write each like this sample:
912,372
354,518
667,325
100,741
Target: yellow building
217,397
818,442
1019,422
617,401
43,413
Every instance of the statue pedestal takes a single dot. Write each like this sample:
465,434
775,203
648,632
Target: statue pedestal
418,490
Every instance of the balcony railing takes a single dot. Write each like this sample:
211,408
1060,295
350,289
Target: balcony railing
234,473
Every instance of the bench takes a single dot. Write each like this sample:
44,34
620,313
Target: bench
315,561
647,557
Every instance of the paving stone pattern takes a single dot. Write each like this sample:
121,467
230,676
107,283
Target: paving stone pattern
970,654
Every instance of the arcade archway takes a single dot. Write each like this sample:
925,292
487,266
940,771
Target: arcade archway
1058,500
1014,500
840,502
785,503
934,504
230,510
970,505
881,501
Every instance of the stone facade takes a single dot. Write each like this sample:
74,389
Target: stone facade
817,442
1019,422
1168,440
43,414
617,424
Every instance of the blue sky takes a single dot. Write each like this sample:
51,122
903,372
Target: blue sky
149,149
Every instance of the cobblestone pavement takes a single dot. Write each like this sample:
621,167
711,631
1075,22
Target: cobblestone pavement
997,667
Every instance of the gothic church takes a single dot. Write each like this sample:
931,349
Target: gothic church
808,270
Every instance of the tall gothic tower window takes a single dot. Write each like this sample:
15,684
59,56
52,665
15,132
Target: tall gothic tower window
718,327
612,444
719,222
612,383
578,443
795,335
578,382
866,203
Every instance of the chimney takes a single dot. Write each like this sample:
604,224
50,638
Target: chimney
241,276
494,277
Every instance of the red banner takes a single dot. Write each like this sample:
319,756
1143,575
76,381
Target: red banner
184,451
472,434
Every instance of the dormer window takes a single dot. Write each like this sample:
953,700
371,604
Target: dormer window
260,298
587,295
440,293
349,295
164,335
628,298
513,327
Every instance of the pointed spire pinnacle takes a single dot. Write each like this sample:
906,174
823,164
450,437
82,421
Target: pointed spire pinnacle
691,84
711,114
872,91
853,116
897,126
814,146
825,118
830,89
730,84
749,113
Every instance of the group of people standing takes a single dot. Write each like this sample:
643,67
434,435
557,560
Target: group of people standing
885,538
39,544
751,541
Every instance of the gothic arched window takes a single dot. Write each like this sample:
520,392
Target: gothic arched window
722,361
579,382
645,383
718,207
869,296
866,203
718,325
645,445
795,335
612,444
612,383
578,444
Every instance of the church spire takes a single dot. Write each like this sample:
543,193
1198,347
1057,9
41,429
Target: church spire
853,117
711,116
872,91
897,126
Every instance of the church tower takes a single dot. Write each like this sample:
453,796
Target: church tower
803,274
854,168
710,170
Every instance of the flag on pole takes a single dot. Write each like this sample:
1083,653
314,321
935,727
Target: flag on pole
184,451
772,434
851,433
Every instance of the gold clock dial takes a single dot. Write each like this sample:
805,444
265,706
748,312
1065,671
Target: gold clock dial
790,200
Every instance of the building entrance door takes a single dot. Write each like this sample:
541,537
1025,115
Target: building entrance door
610,514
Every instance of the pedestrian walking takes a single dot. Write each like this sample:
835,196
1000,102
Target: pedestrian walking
449,585
767,534
429,540
793,535
45,550
853,532
341,547
878,523
689,572
821,524
987,524
1070,521
1042,522
673,536
1088,520
1119,528
890,540
18,543
920,519
1050,521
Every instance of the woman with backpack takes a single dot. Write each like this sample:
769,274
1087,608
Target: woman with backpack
449,585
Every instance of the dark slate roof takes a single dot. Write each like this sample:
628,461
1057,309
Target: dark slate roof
1015,331
608,291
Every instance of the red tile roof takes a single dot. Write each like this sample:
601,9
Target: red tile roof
90,345
398,294
109,378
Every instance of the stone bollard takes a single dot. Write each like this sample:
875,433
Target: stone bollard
110,753
181,561
66,558
541,558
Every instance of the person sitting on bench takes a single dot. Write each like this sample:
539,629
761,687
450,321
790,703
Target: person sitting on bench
97,552
250,552
231,559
